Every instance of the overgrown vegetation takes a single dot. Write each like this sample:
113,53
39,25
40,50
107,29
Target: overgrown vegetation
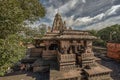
10,52
33,32
13,13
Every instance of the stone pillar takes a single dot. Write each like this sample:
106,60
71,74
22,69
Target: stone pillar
65,50
76,48
75,45
71,51
47,47
89,46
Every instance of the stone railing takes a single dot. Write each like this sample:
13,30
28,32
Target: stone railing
84,55
66,57
70,67
49,54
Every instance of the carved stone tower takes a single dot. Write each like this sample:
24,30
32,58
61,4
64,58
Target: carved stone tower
58,24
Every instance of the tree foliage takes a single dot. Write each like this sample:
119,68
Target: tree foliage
13,14
38,31
32,32
111,33
10,52
93,32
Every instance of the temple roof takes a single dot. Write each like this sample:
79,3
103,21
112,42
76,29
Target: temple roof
56,75
97,70
68,34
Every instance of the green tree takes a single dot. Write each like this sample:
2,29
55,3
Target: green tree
30,33
13,15
111,33
10,52
93,32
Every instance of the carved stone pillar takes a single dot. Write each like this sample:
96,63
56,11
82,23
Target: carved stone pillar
75,45
65,50
71,51
47,47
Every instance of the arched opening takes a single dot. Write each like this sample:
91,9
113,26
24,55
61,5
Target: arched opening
54,47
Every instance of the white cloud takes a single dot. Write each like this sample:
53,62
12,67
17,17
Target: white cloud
84,6
69,21
88,20
51,11
103,24
84,1
68,6
99,16
112,10
83,20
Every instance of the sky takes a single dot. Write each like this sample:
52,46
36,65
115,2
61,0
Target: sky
82,14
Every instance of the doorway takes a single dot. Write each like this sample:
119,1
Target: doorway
54,47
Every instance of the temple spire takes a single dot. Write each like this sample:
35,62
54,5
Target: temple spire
58,23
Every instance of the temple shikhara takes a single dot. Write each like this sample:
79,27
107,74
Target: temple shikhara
67,54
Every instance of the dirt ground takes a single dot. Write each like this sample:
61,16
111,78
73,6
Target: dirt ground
19,76
26,76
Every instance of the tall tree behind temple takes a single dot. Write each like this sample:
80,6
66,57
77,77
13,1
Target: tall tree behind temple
13,13
33,32
111,33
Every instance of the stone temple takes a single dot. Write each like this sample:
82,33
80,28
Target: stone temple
67,54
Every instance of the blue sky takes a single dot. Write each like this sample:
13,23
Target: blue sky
83,14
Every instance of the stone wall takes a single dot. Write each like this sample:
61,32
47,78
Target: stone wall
35,52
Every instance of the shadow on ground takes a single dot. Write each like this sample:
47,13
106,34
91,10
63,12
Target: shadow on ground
114,66
22,75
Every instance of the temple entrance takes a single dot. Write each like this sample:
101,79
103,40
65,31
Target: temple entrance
53,47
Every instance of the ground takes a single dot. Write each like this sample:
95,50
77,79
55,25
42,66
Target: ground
25,76
109,63
18,76
115,66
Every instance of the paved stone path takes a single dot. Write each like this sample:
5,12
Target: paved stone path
115,66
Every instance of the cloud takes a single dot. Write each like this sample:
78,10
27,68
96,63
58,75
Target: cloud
86,21
103,24
51,12
84,1
69,21
112,10
68,6
83,20
83,14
